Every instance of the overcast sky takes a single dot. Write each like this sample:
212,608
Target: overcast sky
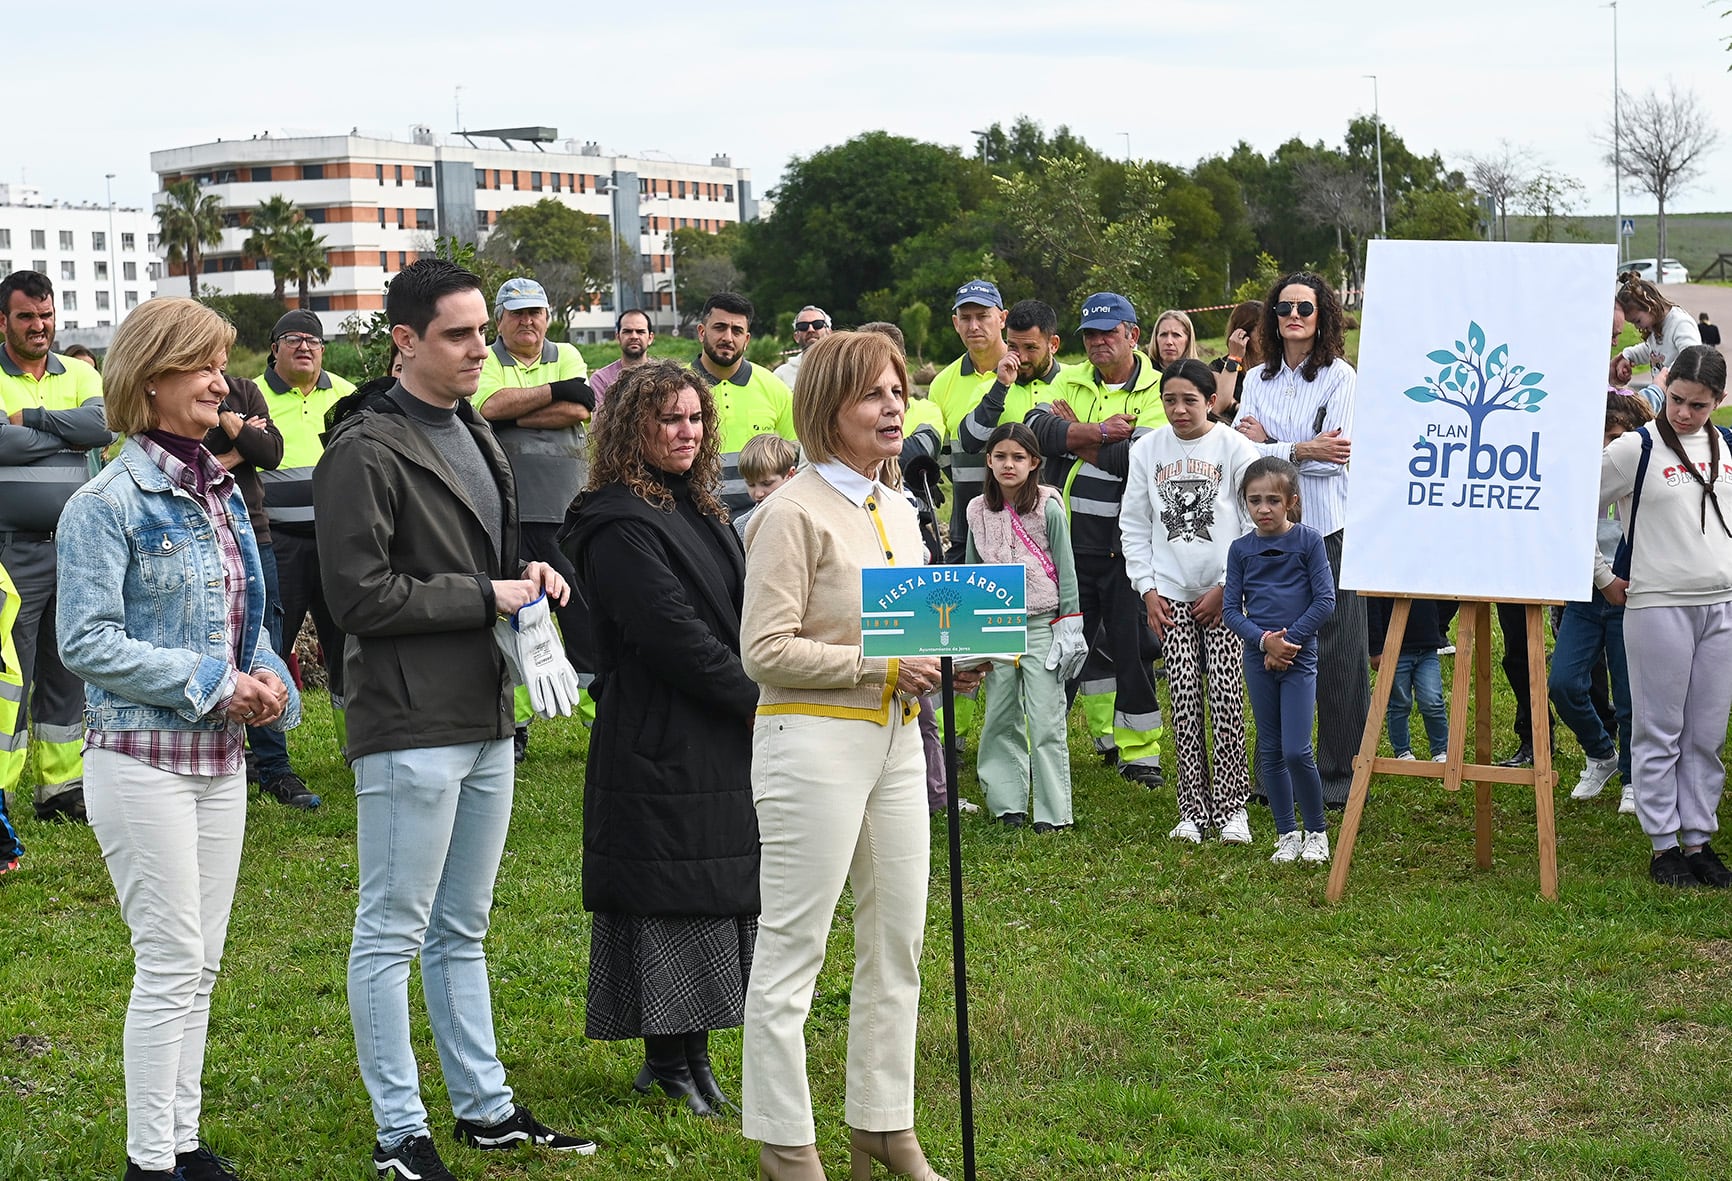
95,87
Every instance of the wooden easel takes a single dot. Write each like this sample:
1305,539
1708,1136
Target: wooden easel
1472,649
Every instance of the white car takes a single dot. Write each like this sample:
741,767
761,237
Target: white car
1671,271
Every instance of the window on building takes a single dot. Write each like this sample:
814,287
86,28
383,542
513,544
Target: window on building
39,239
727,192
102,301
69,301
379,173
554,177
481,178
682,188
5,266
400,224
535,181
259,176
40,266
131,300
399,168
5,239
69,323
317,215
102,271
129,271
150,243
423,219
320,303
153,270
643,225
402,259
384,261
381,216
128,242
312,172
68,270
423,176
98,240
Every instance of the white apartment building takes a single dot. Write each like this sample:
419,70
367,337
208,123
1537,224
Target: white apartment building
380,201
102,261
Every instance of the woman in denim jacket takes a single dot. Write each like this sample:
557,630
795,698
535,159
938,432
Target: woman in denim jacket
162,615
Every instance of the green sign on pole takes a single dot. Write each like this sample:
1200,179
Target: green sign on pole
943,611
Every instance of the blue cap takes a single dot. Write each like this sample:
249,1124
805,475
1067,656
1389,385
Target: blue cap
978,291
516,294
1106,310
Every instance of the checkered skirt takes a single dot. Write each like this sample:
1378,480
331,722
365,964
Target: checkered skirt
655,975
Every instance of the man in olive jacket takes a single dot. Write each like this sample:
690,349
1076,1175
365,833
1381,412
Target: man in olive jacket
418,552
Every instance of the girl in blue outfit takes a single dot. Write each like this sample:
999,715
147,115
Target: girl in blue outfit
1278,594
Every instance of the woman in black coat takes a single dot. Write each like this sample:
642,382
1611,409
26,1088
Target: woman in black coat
670,837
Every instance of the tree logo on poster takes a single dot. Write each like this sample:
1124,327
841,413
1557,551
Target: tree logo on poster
1453,464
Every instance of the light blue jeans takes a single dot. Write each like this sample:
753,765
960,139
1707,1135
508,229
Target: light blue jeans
1418,676
431,830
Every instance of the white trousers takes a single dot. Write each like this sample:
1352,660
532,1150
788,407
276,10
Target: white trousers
837,800
173,848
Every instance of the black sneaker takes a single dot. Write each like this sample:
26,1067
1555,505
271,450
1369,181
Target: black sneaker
520,1128
1109,756
134,1173
68,805
1523,757
1013,819
290,789
1147,774
1043,827
1672,868
201,1164
520,744
1708,868
414,1159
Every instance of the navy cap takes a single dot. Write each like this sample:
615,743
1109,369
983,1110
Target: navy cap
978,291
1106,310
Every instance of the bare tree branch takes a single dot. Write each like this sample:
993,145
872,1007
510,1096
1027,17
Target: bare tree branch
1664,140
1500,176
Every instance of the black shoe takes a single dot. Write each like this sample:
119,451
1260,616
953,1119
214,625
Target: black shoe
1042,826
134,1173
698,1062
1109,756
520,744
666,1065
1708,868
1013,819
1672,868
520,1128
201,1164
68,805
413,1159
1524,757
1147,774
291,790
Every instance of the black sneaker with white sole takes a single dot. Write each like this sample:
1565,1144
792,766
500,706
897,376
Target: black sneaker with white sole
520,1128
413,1159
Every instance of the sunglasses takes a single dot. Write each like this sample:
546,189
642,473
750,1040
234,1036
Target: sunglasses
810,325
1287,307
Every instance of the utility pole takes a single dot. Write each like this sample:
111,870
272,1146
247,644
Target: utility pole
1618,146
1377,118
113,279
1127,136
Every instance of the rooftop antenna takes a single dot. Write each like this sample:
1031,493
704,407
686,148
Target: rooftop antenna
457,105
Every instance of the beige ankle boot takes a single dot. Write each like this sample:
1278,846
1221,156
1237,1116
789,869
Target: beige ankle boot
784,1162
897,1151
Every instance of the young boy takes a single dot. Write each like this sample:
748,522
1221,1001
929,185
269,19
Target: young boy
766,461
1417,673
1593,631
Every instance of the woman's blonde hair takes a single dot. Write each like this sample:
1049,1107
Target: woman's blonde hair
836,373
159,337
1190,352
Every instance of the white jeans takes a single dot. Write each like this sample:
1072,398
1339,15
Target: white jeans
837,800
173,847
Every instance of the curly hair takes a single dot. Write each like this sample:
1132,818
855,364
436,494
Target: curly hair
1636,294
1326,347
623,428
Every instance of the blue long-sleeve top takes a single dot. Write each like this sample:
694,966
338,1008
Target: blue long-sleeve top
1278,582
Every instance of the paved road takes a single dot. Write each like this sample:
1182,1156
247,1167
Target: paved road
1697,298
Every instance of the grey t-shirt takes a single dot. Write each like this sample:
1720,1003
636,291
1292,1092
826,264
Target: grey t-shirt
451,438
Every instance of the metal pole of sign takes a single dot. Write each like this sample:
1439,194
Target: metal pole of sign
958,946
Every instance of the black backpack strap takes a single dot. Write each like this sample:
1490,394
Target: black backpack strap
1621,560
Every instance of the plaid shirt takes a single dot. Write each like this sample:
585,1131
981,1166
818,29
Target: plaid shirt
196,752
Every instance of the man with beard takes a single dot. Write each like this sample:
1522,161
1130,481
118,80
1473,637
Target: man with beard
535,394
52,418
631,328
749,398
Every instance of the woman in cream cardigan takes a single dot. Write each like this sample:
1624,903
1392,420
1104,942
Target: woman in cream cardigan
838,773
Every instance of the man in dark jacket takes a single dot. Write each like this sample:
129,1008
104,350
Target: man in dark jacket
418,547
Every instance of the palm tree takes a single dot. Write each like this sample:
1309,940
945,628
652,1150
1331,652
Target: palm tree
189,221
299,257
269,221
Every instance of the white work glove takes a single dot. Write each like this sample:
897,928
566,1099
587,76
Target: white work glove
1069,648
547,674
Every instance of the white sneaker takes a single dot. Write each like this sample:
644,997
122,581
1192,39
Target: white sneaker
966,806
1187,830
1407,755
1440,758
1237,830
1287,847
1594,778
1446,650
1316,847
1627,805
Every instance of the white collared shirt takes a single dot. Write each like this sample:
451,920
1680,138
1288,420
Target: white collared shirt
1287,406
851,483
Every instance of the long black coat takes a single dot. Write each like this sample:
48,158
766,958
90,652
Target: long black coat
668,822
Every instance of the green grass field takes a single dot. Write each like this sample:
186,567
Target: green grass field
1139,1009
1694,239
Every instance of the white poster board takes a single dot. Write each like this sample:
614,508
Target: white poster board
1477,419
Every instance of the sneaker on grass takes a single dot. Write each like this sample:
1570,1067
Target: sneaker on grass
1595,775
1237,830
1147,774
1441,756
1671,868
1627,805
1315,847
290,789
1405,756
520,1127
201,1164
1187,831
1287,847
413,1159
1708,868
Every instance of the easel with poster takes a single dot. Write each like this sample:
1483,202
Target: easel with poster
1475,477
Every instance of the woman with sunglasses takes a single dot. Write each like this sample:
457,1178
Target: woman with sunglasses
1295,406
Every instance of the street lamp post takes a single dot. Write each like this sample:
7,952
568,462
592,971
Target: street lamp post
113,279
610,190
1617,146
1377,118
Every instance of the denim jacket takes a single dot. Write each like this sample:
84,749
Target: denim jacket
143,615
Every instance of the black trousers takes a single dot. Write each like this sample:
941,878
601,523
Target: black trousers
1512,620
302,594
536,544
